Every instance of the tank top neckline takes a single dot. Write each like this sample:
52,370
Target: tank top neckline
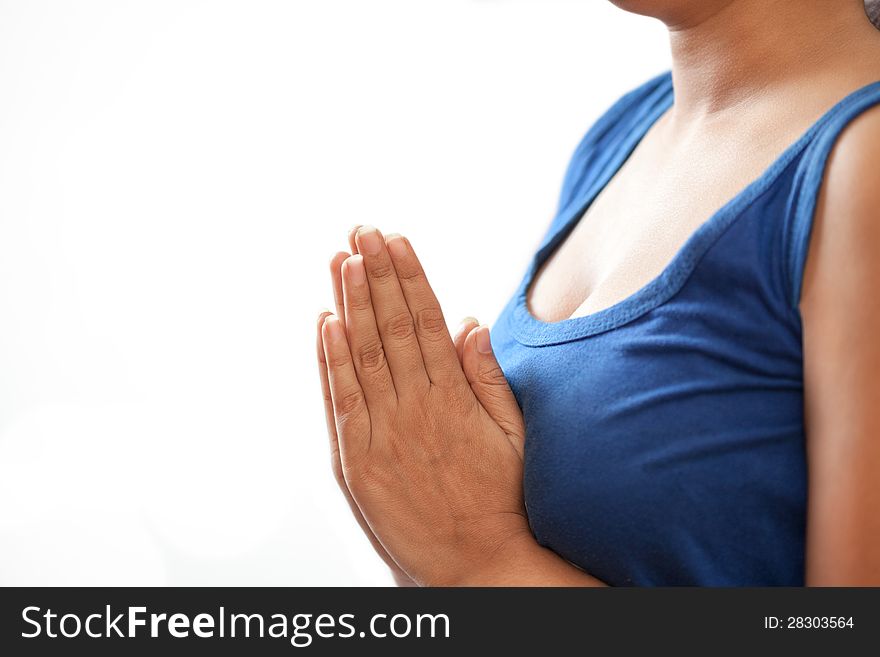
531,331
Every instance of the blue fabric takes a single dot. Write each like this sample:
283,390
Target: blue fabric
665,435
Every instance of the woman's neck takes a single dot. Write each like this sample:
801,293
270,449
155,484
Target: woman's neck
729,54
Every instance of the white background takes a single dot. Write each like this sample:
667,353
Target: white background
174,177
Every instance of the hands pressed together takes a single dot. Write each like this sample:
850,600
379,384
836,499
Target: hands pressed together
426,435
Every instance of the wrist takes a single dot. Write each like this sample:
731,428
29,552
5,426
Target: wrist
499,565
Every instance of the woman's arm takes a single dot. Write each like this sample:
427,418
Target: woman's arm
430,437
525,563
840,307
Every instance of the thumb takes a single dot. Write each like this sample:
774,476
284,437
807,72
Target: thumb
490,385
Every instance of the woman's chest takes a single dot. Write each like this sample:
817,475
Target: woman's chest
639,221
667,443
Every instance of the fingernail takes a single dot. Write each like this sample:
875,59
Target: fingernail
324,311
464,324
484,344
396,244
334,329
369,239
355,268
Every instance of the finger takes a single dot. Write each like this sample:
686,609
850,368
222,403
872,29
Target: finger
465,326
393,318
490,386
367,349
325,389
438,351
336,278
349,404
352,242
335,460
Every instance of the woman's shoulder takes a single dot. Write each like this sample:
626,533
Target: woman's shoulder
837,197
848,203
855,156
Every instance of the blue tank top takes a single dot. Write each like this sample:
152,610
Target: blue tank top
665,435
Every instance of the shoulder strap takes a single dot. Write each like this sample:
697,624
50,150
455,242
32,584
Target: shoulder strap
622,116
808,182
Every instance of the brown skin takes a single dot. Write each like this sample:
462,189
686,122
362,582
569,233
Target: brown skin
429,435
841,318
429,442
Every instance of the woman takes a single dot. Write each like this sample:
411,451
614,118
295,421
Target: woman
691,357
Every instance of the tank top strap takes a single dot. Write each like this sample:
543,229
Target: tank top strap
609,141
807,183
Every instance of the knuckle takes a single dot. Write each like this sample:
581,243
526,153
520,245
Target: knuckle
359,302
431,322
371,357
400,326
349,405
382,270
491,374
338,360
412,274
